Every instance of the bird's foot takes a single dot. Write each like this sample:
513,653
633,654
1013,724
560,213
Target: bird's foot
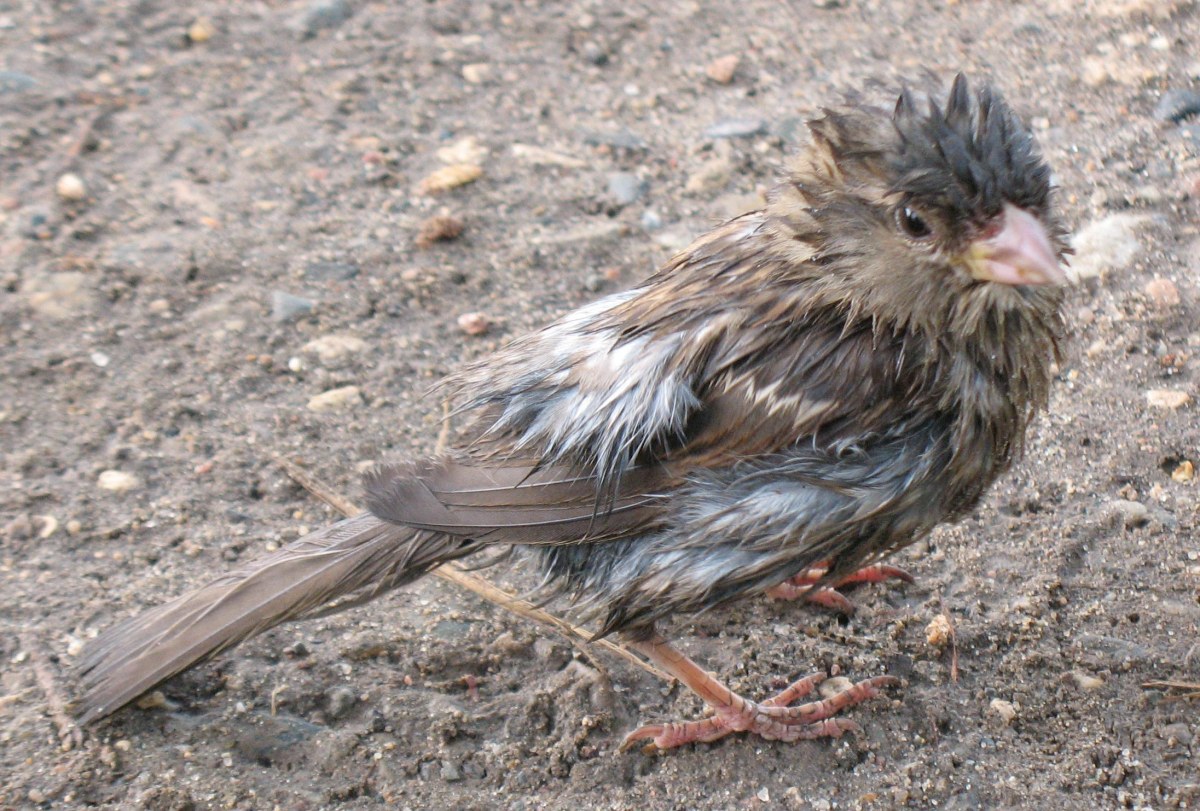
803,586
772,719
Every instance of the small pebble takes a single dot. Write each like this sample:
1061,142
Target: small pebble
474,323
1132,513
118,481
1177,104
1185,471
450,177
833,686
13,82
721,70
438,228
1006,710
1107,244
1162,293
1095,71
623,139
651,220
742,127
49,525
71,187
151,701
625,187
324,14
1168,398
477,72
594,52
332,347
201,30
340,701
938,632
464,150
20,528
335,399
326,271
286,307
1086,681
65,295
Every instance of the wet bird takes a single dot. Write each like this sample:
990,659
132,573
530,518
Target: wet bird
802,391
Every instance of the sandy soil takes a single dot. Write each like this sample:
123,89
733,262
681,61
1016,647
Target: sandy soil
247,179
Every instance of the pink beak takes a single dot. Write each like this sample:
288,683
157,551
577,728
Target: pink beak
1020,253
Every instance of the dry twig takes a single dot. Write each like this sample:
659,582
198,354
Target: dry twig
444,434
69,734
581,638
953,646
1191,689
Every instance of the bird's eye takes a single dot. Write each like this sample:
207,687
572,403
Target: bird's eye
913,224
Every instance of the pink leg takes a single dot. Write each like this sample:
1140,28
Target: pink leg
801,587
772,719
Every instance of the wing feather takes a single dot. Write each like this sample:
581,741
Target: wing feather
514,504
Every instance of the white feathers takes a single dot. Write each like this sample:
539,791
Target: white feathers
577,390
803,410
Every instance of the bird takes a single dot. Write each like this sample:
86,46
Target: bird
802,391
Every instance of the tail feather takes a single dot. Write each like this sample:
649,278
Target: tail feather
345,564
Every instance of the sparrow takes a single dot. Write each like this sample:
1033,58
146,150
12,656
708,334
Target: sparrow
802,391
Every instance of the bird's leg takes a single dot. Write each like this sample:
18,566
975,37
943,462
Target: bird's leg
801,586
772,719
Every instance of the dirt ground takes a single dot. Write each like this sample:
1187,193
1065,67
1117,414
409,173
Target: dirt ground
192,195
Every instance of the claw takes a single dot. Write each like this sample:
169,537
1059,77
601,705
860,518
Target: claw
803,585
831,598
877,573
775,719
640,734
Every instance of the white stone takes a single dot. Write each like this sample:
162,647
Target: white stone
1005,709
335,399
118,481
1168,398
1107,244
71,187
332,347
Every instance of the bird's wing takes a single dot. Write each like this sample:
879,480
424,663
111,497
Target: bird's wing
585,426
513,503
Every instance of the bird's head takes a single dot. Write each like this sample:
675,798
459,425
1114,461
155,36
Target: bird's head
929,208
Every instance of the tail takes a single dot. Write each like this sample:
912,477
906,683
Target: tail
346,564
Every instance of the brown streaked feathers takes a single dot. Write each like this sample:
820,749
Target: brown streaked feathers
819,382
